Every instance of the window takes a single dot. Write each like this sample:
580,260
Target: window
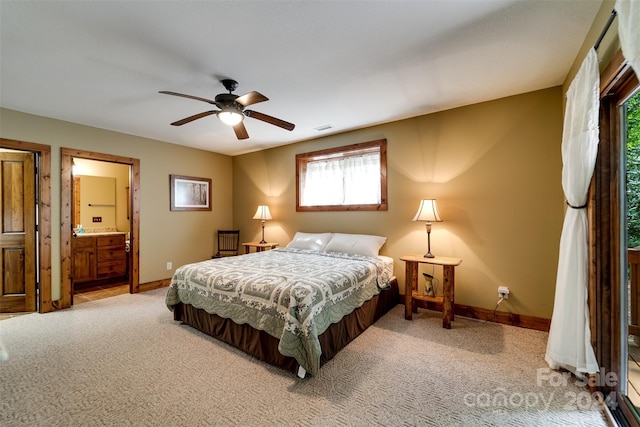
344,178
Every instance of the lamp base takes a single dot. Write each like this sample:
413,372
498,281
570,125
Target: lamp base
263,241
428,254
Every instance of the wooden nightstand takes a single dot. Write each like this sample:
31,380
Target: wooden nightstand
259,246
448,287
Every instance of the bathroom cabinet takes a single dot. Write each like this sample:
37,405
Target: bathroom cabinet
98,257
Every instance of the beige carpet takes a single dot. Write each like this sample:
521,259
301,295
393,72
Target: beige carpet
124,361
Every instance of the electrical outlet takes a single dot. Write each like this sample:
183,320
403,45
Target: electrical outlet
503,292
169,265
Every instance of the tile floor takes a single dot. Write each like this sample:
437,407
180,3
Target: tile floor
99,292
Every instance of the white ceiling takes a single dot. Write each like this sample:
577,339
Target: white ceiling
347,64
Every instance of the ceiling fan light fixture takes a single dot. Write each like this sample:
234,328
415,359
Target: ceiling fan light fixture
230,116
232,109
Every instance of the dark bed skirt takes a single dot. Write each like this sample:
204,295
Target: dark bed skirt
264,347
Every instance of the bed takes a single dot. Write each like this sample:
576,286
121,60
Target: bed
294,307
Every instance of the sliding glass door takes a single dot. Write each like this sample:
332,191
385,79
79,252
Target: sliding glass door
630,150
614,299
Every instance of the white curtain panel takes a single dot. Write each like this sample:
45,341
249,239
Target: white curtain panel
629,31
324,181
569,343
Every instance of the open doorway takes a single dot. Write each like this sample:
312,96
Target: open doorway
100,244
69,224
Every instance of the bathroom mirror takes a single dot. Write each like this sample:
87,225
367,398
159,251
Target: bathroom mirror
106,187
95,203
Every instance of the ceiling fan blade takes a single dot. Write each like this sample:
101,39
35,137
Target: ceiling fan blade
251,98
241,131
197,98
192,118
269,119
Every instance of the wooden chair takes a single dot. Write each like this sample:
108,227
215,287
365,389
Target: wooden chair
228,243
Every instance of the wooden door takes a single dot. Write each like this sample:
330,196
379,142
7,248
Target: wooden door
17,233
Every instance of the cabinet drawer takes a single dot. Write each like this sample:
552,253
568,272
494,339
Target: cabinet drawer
112,240
111,269
83,242
111,253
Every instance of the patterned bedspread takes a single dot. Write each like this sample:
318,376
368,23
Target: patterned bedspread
291,294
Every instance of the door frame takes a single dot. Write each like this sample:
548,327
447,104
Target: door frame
607,302
43,152
66,220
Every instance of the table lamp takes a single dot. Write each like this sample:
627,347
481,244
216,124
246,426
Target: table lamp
263,215
428,211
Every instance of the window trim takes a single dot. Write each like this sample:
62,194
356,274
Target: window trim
303,159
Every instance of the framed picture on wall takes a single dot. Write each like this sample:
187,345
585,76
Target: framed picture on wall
189,193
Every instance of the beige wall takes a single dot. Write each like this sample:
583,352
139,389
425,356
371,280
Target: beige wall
495,169
179,237
97,196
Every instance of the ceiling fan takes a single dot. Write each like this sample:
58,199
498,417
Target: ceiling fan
232,109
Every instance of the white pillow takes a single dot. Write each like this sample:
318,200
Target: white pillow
310,241
361,244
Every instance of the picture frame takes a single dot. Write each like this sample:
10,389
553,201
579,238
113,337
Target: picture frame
189,193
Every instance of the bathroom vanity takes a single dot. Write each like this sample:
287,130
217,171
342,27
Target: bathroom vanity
98,256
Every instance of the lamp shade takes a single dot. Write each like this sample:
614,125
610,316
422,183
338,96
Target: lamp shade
263,213
428,211
230,116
